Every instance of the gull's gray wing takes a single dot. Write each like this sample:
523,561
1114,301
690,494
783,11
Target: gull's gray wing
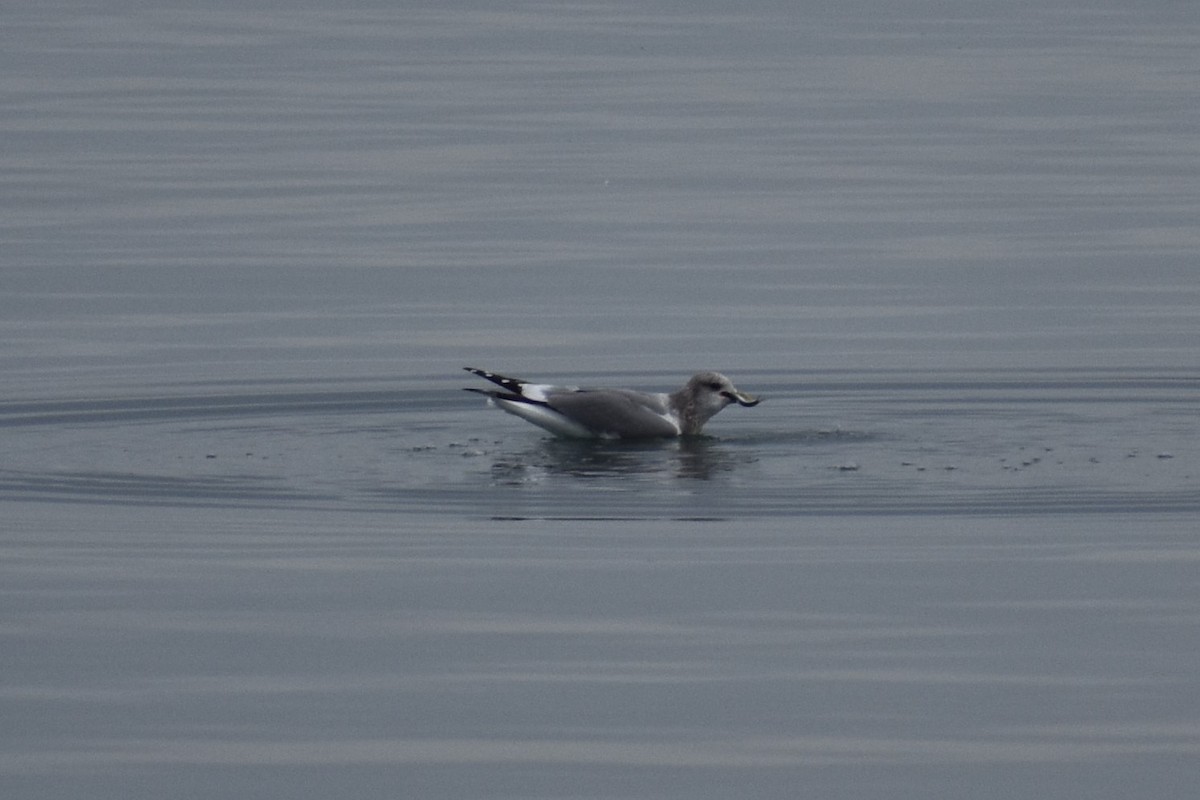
615,412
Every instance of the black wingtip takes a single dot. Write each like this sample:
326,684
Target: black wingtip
508,384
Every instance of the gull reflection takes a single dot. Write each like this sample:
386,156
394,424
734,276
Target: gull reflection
692,457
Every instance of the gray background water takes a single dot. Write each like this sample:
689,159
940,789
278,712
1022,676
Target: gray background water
256,542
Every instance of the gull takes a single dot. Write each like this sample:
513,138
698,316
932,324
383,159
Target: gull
583,413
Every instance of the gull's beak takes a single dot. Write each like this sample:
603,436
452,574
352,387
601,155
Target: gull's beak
741,398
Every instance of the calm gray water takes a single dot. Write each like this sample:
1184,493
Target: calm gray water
255,541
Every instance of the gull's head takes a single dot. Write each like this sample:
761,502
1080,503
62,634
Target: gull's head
714,390
705,394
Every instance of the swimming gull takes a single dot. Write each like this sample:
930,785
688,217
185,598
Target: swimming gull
583,413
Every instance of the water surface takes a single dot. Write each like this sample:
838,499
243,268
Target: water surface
257,542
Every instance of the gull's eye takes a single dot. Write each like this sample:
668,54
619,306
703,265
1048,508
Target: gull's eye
716,387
